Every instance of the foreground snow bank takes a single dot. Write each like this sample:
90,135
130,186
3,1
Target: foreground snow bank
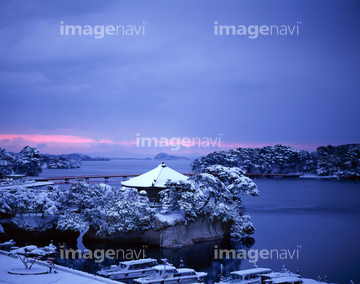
64,276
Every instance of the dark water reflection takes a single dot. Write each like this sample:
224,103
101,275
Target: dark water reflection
198,256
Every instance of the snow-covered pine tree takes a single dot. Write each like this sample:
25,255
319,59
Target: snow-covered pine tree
7,162
105,208
215,194
29,162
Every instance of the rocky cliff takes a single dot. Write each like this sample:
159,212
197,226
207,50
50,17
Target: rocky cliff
171,236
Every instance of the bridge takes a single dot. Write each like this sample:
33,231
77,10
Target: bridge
86,177
124,176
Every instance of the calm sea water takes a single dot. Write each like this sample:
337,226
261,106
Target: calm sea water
321,216
319,219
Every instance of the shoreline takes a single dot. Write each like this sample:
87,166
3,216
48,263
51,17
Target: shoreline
65,275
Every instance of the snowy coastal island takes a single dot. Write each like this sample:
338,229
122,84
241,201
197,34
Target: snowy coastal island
206,206
203,207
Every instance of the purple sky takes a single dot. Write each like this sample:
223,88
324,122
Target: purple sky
67,94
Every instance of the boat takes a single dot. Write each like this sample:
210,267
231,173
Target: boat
293,279
266,276
168,274
8,244
290,280
247,276
256,275
130,269
284,273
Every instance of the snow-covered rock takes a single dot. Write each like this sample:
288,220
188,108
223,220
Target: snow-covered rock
170,219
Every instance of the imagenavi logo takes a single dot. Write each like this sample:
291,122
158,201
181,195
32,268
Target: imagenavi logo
100,31
254,31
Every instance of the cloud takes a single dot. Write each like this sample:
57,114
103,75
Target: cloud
56,144
179,80
47,138
41,146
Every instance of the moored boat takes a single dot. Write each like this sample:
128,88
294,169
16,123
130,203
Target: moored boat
8,244
130,269
266,276
290,280
247,276
168,274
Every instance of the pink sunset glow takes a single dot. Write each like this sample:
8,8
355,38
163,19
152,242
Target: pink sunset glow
121,143
40,138
64,144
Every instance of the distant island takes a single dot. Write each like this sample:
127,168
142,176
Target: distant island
165,156
340,162
68,161
30,161
131,159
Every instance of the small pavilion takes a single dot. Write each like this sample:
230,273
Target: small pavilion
154,180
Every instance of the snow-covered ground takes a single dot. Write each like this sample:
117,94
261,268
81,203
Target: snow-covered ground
64,275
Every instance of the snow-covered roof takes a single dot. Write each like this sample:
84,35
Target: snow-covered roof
155,178
137,261
164,267
251,271
288,279
185,270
